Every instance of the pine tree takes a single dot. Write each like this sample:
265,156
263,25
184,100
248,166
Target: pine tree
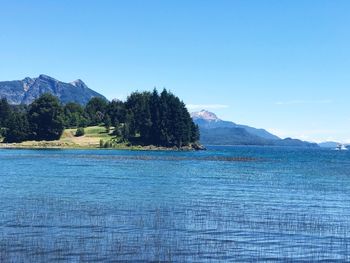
116,111
5,112
46,118
17,128
137,105
164,119
154,105
95,110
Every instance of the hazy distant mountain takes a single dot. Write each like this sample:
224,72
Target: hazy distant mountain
215,131
230,136
294,143
328,144
26,90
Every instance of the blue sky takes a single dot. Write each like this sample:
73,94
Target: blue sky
280,65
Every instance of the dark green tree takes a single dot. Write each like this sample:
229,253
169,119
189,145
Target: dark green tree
17,128
5,112
125,131
137,105
107,121
95,110
74,115
46,118
128,125
154,106
195,134
172,124
116,111
164,115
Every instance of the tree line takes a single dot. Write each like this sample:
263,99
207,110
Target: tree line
145,118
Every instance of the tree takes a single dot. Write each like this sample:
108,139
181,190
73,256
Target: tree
46,118
195,134
164,116
125,131
74,115
5,112
116,111
128,126
95,110
154,105
17,128
172,124
107,121
137,105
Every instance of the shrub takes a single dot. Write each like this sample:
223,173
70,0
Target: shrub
80,132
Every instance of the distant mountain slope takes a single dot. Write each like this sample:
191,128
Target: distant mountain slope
209,120
26,90
294,143
260,132
229,136
329,144
215,131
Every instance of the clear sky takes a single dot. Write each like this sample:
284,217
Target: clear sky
279,65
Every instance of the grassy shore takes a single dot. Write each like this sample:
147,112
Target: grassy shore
95,137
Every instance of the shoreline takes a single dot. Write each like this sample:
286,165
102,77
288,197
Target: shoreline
59,145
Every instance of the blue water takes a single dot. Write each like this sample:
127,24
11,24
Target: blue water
227,204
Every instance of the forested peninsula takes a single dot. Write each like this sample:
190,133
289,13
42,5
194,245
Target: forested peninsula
145,120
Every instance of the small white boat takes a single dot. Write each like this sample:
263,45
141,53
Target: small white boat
341,147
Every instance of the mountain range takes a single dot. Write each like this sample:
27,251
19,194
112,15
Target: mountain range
26,90
215,131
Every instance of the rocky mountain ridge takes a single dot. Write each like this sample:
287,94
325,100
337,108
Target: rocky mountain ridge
27,90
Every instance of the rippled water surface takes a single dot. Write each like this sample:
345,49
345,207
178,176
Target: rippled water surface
237,204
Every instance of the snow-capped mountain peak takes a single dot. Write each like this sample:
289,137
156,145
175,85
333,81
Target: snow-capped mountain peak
205,115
